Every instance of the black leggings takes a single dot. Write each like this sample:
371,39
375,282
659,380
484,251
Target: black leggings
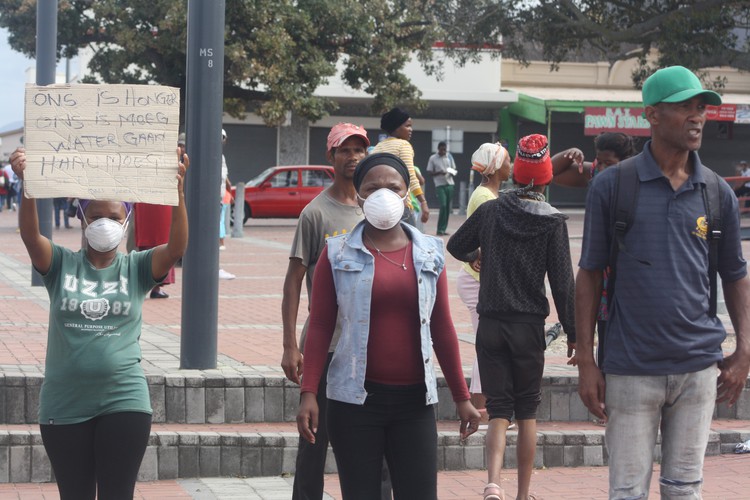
394,422
103,453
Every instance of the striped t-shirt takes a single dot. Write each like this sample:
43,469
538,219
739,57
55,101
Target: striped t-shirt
403,150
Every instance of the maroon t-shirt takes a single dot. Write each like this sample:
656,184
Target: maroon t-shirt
394,355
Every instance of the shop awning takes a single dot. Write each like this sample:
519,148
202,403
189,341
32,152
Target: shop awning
535,103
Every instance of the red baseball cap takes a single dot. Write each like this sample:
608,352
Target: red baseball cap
342,131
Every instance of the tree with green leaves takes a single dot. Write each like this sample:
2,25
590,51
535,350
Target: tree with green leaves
278,52
695,34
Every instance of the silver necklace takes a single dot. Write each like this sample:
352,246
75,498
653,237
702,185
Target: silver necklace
402,265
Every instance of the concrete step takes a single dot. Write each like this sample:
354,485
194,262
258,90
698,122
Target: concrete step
255,450
198,397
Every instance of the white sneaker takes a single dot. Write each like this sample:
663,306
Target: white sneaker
222,247
223,275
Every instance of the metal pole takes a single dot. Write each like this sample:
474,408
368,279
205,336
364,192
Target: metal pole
46,62
204,104
239,211
463,197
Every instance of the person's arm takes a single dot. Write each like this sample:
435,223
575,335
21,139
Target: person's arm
419,176
562,285
323,314
165,256
38,246
292,361
590,380
734,368
407,156
464,244
445,344
569,169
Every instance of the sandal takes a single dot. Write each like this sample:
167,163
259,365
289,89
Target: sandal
493,492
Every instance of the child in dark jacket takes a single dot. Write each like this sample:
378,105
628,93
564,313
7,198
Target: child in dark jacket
522,239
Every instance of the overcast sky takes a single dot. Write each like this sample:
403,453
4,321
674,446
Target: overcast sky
13,67
12,80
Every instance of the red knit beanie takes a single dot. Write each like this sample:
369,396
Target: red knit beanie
532,161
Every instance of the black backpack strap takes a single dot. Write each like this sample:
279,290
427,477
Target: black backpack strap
622,214
712,202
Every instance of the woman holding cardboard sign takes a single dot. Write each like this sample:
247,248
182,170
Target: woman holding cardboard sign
94,410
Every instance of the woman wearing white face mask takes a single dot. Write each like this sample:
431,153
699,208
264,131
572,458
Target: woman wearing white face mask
94,411
386,282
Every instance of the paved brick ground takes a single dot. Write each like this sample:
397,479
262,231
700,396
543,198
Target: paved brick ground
726,478
250,333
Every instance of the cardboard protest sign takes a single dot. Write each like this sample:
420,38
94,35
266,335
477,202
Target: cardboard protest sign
104,142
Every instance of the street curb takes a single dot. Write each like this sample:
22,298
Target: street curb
215,398
185,454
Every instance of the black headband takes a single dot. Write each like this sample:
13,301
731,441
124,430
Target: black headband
376,159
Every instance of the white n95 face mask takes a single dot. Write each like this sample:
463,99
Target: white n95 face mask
383,208
105,234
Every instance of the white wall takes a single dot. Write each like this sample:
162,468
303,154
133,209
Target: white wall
474,81
9,142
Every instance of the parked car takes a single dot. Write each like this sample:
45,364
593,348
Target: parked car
282,192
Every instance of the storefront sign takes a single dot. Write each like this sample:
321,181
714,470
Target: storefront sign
630,120
626,120
723,113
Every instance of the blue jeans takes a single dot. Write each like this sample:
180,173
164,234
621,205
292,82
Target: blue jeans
61,204
681,406
222,221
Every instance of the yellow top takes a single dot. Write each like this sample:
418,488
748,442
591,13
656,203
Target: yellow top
403,150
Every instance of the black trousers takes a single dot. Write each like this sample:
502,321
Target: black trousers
311,458
102,454
393,423
511,365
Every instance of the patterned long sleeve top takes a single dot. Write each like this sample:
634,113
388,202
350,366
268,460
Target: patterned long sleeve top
522,241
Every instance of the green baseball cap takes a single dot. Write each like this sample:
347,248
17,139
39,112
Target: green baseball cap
675,84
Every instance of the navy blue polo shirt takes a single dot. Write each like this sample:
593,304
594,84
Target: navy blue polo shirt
658,318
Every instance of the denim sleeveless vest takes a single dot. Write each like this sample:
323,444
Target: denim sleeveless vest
353,269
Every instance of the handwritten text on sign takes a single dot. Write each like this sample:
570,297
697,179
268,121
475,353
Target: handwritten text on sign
109,142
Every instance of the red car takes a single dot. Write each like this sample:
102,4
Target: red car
282,192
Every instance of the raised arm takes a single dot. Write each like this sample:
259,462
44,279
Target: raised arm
165,256
569,169
37,245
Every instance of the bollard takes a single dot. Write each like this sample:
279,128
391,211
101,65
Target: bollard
552,333
239,211
463,197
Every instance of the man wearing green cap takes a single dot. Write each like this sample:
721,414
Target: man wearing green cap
664,359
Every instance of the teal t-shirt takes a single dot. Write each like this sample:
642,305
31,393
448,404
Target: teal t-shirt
93,364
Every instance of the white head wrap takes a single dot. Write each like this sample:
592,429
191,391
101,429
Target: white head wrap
488,158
